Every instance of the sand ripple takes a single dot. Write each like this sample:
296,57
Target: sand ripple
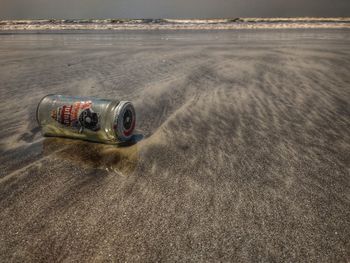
244,152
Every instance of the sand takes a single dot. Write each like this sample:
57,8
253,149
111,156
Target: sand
241,154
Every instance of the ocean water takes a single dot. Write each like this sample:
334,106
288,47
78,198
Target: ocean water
175,24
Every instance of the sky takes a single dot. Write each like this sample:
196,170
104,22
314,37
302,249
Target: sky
84,9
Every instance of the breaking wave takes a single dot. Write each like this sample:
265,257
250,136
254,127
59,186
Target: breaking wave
229,23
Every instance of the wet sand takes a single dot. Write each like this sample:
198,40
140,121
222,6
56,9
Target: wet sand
242,149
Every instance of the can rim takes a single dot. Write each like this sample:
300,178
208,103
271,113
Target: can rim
37,108
118,127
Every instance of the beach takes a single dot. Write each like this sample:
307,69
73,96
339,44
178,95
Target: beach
241,149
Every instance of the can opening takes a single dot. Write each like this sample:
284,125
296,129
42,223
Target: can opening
127,119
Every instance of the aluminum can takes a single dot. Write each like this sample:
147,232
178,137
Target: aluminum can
86,118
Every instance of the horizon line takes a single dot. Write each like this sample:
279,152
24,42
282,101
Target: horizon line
190,18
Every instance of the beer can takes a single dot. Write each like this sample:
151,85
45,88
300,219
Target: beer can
86,118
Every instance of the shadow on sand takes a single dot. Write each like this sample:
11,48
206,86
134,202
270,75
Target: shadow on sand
121,158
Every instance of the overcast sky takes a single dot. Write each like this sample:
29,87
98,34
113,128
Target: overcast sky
26,9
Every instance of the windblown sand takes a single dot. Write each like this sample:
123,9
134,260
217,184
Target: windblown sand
242,149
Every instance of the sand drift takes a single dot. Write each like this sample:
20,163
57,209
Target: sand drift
245,154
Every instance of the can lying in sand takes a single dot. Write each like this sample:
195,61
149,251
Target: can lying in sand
86,118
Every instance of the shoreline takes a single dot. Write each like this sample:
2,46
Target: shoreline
175,24
163,27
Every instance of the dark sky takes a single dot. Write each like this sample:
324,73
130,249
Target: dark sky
25,9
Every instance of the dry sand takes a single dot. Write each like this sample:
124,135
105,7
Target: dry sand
244,155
